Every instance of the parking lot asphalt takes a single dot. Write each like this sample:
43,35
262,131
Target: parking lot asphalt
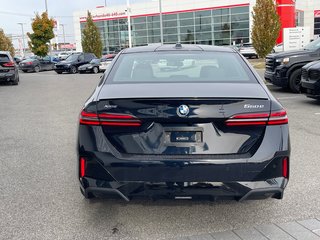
39,191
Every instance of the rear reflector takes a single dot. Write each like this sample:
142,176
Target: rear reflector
9,64
82,167
254,119
285,167
106,119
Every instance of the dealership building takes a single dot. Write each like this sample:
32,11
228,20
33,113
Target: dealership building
212,22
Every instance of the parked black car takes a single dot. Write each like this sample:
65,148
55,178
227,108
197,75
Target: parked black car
93,66
8,69
73,62
310,82
37,64
284,69
214,131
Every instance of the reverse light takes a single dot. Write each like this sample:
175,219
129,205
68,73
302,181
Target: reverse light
254,119
106,119
82,167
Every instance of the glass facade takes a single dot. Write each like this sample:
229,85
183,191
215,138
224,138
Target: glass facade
317,26
212,27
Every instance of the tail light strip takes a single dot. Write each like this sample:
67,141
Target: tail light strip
252,119
106,119
9,64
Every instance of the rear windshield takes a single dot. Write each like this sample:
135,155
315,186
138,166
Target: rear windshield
4,58
180,67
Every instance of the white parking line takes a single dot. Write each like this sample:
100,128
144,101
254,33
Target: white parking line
317,113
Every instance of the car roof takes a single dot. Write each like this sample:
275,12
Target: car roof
4,52
177,47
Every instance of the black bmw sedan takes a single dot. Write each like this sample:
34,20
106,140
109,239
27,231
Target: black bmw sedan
207,128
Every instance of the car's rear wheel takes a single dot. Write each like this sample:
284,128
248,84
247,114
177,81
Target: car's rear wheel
295,81
95,70
37,69
73,70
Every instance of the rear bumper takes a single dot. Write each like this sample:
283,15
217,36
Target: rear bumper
239,191
8,76
245,176
213,179
26,68
61,69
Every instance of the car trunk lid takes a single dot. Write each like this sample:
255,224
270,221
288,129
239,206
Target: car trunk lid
154,125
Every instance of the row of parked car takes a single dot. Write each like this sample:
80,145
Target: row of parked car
75,62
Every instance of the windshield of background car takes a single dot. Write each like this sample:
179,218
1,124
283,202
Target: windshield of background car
72,58
4,58
313,45
95,61
180,67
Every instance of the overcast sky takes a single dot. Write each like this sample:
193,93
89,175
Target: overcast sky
15,11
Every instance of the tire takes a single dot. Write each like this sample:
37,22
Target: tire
95,70
73,70
59,72
37,69
295,81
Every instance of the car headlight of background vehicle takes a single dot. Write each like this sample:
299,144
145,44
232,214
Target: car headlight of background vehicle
283,61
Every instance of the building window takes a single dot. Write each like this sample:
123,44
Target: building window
213,27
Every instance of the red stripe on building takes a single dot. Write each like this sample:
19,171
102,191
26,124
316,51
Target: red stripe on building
287,14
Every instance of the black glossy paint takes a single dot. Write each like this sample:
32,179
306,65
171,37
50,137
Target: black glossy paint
310,81
232,162
160,120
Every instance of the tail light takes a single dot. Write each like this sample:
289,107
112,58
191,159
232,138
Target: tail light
82,167
254,119
106,119
285,167
278,118
9,64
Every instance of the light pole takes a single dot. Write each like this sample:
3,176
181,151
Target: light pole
46,6
161,27
105,3
161,22
64,36
129,23
23,42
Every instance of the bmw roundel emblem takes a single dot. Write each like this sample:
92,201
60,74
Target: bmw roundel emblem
183,110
